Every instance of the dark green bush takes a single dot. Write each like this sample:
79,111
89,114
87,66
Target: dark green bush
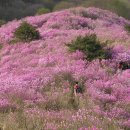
127,28
90,46
26,32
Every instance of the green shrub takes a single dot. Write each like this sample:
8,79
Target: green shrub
2,22
26,32
127,28
1,46
90,46
42,11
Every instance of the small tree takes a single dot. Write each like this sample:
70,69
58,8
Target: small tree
90,46
26,32
42,11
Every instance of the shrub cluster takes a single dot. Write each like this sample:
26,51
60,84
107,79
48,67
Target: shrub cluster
26,32
90,46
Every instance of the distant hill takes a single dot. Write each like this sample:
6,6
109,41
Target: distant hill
16,9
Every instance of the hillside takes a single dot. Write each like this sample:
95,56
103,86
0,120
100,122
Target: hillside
32,74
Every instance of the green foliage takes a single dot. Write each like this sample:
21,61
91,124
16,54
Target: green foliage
26,32
127,28
2,22
14,41
1,46
41,11
63,5
90,46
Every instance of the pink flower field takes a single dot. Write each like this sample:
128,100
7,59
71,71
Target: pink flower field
32,74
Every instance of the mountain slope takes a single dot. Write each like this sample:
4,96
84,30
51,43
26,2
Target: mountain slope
34,72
